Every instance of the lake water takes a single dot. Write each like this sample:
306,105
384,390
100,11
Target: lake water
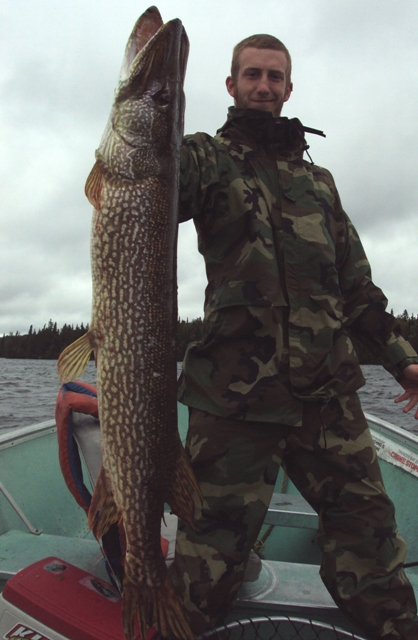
29,388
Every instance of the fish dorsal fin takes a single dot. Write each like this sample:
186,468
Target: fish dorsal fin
93,188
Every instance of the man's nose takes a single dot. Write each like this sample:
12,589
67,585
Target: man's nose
263,85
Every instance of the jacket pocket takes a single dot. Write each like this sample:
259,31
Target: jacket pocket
237,292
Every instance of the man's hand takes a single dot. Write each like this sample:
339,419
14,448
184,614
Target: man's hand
409,381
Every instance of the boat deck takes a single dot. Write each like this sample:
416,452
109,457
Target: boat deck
39,518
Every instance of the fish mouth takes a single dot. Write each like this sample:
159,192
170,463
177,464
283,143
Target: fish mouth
155,50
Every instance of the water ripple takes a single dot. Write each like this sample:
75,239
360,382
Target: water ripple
29,388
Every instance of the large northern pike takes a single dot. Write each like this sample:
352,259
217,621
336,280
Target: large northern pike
134,189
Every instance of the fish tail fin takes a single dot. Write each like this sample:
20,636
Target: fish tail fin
184,489
103,511
74,359
159,608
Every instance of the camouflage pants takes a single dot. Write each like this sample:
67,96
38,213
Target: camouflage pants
333,463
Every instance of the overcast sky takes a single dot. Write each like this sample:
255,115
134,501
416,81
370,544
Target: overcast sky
355,77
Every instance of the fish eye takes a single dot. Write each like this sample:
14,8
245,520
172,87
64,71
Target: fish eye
162,98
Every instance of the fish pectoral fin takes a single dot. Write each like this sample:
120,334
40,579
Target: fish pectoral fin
74,359
160,608
184,491
93,188
103,511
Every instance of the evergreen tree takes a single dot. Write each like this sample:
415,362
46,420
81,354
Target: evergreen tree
49,341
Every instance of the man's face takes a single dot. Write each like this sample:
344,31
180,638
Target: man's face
261,81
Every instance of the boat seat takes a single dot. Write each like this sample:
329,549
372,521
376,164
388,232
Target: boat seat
86,430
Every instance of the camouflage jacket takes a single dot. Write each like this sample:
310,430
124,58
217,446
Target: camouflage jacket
288,279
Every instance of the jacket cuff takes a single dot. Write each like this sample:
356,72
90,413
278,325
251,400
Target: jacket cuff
397,355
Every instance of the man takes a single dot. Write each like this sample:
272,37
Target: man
275,378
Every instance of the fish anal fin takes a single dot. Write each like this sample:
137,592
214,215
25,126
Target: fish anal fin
103,511
184,490
159,608
74,359
93,188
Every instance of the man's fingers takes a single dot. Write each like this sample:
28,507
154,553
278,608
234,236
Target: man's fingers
412,396
401,398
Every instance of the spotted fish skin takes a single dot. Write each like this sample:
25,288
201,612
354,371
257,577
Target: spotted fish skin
133,187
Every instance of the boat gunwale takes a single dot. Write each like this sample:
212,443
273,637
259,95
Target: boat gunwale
14,437
393,431
17,436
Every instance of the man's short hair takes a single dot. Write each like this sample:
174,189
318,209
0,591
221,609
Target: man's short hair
260,41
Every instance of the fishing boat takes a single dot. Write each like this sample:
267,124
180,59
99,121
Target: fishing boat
53,577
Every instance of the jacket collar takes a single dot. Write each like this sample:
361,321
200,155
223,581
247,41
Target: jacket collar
254,126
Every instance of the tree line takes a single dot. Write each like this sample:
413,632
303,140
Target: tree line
48,342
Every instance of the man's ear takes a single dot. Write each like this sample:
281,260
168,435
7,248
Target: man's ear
230,86
288,91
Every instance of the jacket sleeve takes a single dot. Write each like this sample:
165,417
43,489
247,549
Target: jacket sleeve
198,170
365,305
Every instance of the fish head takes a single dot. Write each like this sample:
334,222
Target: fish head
148,110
